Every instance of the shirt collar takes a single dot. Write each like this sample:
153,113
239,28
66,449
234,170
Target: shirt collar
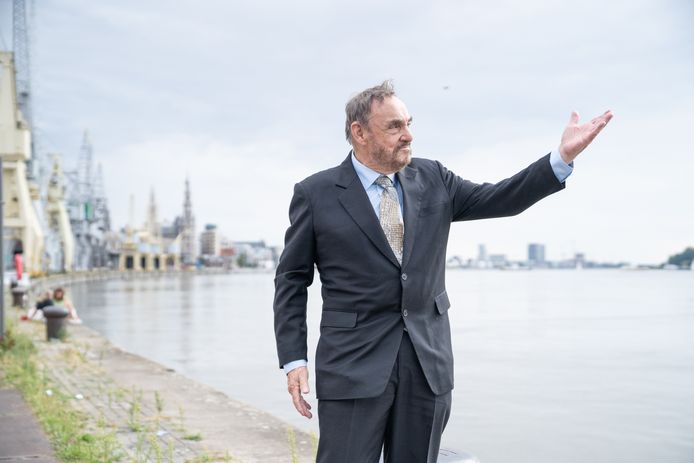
366,175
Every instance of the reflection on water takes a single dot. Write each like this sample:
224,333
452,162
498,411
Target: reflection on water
551,366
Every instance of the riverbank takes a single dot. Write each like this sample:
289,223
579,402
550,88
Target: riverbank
155,413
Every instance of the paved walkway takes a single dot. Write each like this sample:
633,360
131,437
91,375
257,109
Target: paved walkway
156,413
21,437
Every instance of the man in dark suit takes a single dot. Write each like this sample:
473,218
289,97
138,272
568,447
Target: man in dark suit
376,227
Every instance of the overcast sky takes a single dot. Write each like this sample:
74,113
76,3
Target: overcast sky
247,98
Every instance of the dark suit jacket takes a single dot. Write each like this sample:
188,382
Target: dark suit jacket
368,298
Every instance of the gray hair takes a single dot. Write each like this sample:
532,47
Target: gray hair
358,108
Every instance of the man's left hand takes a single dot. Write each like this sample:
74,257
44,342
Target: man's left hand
297,384
577,137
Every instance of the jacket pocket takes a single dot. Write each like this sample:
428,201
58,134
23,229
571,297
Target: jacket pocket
338,319
442,302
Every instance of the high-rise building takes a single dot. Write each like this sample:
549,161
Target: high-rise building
536,253
482,253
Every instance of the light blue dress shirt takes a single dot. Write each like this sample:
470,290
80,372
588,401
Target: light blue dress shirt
368,176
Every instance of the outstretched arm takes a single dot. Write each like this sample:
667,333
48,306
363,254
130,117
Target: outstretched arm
513,195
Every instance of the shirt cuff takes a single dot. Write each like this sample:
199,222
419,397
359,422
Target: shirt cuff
294,365
561,169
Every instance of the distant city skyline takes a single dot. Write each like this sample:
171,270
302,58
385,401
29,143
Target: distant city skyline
247,100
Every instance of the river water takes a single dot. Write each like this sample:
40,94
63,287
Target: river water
551,366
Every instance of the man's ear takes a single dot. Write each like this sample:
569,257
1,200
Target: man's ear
358,132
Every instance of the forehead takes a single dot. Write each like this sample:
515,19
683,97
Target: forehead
391,108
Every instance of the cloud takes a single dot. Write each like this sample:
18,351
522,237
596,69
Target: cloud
235,91
233,186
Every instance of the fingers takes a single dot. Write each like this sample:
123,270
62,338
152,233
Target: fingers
607,116
300,404
599,123
303,381
573,119
297,383
603,118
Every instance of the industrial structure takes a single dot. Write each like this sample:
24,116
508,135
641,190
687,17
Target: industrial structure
58,220
89,214
22,231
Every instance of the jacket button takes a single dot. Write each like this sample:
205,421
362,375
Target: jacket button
404,313
404,276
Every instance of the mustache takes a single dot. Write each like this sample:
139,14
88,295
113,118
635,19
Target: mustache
404,145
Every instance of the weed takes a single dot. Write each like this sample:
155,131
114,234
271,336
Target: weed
64,426
291,439
194,437
134,414
314,444
211,458
158,402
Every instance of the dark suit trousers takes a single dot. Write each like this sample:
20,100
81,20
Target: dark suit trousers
406,421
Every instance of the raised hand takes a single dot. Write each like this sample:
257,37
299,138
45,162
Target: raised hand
577,137
297,384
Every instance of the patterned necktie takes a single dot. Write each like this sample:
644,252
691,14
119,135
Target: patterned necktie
390,216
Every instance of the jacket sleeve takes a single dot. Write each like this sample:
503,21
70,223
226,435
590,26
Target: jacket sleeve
293,276
511,196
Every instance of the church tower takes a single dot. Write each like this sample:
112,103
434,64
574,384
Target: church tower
152,222
188,256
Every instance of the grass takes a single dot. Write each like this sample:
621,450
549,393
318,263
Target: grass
211,458
72,436
159,402
64,426
291,440
194,437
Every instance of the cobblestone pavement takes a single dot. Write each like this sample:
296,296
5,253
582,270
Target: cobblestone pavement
157,414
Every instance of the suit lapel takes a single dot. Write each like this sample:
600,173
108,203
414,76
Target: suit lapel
412,198
356,202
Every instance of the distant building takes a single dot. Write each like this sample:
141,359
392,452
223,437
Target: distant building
580,260
172,230
209,241
455,262
144,249
482,253
255,254
536,254
187,230
498,260
227,252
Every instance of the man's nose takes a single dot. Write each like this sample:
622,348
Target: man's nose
407,134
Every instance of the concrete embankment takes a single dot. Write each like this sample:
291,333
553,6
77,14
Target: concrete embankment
154,409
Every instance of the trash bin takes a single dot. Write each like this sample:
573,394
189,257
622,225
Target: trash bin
19,296
55,321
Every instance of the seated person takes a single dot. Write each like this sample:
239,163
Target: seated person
59,300
43,301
